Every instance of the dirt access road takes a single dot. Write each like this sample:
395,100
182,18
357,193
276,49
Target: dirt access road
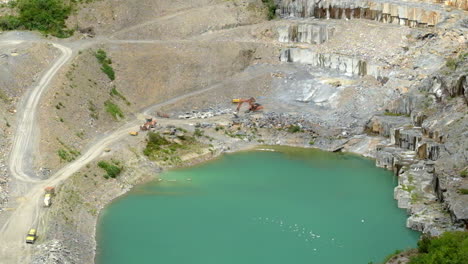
20,159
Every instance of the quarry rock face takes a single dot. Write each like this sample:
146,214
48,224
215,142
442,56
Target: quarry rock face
423,154
401,13
343,63
426,147
313,33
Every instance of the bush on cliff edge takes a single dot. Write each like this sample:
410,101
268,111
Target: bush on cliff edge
449,248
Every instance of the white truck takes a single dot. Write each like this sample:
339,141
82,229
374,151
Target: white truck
49,192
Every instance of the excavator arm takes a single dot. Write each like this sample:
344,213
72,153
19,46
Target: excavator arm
253,106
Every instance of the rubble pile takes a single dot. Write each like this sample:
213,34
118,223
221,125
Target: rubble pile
54,252
204,113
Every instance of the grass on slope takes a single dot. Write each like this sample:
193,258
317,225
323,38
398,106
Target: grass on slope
113,109
105,62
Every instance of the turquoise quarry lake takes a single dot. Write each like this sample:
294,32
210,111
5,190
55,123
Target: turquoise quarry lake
289,206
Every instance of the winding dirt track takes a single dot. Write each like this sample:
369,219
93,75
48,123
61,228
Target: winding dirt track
24,136
20,159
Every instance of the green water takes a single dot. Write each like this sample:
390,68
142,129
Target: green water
293,206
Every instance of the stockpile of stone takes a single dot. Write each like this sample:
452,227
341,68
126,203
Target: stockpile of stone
54,252
204,113
277,121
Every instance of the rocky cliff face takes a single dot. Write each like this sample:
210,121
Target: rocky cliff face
313,33
343,63
425,127
401,13
428,150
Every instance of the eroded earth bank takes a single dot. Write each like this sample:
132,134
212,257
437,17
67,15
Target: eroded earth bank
384,79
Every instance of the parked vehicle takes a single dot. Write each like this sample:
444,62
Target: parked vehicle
32,236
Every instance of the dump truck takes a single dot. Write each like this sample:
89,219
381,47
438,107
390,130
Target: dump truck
133,133
150,123
32,236
49,192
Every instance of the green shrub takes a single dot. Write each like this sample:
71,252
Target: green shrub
451,63
198,132
9,22
294,129
155,141
271,8
68,153
464,173
93,109
449,248
113,109
47,16
408,188
109,71
111,169
4,97
64,155
105,62
114,92
101,56
311,142
395,114
463,191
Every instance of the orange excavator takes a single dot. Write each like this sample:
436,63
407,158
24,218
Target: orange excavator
253,105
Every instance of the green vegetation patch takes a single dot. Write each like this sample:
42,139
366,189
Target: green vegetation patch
408,188
94,114
114,92
463,191
105,62
449,248
46,16
198,132
3,96
453,62
113,109
395,114
294,129
464,173
159,148
271,8
67,153
112,168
